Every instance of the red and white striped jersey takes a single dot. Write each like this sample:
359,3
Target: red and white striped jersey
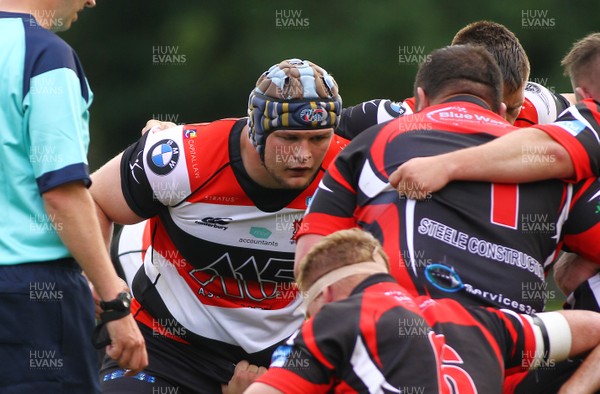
218,249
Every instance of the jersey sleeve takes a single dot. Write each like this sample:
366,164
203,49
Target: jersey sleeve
528,342
154,173
332,205
586,296
581,230
358,118
56,104
577,129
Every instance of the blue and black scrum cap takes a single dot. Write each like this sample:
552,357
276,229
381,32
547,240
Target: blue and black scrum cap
294,94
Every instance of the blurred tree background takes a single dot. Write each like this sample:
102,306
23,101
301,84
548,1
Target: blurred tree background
190,61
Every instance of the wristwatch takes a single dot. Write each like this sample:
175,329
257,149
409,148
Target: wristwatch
121,303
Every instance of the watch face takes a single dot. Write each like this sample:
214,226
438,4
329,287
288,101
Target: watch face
121,303
125,299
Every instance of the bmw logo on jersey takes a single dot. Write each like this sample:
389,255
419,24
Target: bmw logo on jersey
163,157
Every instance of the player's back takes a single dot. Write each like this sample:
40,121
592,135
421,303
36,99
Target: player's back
480,243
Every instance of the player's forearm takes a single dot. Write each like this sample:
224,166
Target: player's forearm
586,378
72,211
525,155
106,226
571,270
585,334
261,388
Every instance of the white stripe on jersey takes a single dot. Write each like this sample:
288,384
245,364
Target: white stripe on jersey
130,250
594,283
564,215
542,100
233,225
577,115
250,328
367,371
410,233
370,184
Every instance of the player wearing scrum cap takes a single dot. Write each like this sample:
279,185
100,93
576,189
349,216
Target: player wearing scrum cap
224,200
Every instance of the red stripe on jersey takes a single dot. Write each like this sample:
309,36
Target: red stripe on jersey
368,321
574,147
585,244
190,134
387,218
324,224
586,184
337,176
308,336
505,204
142,316
594,109
528,114
450,311
215,290
511,382
412,103
288,382
344,388
528,352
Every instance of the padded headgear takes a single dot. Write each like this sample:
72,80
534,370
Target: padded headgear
294,94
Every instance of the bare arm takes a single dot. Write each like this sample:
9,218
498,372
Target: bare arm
261,388
73,213
524,155
572,270
585,329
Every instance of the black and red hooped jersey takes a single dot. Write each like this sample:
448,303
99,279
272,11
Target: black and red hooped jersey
578,130
476,242
540,106
385,341
219,252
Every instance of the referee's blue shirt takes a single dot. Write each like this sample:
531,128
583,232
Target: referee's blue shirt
44,134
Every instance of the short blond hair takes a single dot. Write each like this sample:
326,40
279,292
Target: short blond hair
339,249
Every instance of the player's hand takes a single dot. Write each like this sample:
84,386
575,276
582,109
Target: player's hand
419,177
127,346
243,375
157,125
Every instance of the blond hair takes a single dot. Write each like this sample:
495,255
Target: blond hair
339,249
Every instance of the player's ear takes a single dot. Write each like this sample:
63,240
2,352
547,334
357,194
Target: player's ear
502,110
422,99
328,295
582,93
